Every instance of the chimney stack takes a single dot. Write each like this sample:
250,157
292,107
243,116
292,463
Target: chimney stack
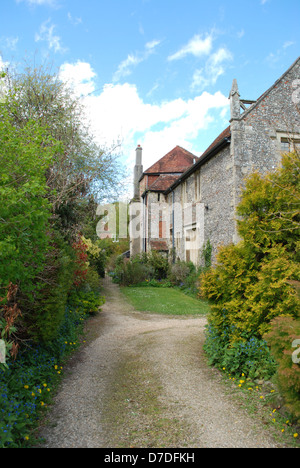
138,171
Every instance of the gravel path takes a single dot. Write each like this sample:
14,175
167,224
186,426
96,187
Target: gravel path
141,381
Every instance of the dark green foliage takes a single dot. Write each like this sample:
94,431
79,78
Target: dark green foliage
281,336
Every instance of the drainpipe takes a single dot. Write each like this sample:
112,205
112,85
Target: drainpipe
173,230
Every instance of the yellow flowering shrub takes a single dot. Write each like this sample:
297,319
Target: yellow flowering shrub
251,282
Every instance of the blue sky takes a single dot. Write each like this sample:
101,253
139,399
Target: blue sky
155,72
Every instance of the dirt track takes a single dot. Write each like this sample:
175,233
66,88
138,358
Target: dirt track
142,381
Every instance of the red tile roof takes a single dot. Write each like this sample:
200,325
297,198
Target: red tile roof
163,182
158,245
178,160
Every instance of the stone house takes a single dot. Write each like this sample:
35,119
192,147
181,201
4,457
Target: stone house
183,200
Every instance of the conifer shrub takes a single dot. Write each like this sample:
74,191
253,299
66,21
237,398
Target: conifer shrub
252,282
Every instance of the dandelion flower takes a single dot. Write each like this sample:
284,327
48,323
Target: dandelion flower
26,386
296,435
44,385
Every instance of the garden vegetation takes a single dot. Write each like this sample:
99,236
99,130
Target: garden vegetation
52,176
254,288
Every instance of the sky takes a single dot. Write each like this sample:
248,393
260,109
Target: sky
154,72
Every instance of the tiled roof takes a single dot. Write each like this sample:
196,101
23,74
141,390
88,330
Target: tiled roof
163,182
158,245
178,160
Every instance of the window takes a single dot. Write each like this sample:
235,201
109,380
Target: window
289,144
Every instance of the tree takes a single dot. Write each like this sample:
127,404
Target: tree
82,169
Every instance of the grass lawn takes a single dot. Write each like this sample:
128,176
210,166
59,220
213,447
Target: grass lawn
164,301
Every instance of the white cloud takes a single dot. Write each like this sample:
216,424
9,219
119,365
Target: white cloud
214,67
51,3
75,21
275,57
125,67
79,76
132,60
197,46
3,65
46,33
119,113
9,42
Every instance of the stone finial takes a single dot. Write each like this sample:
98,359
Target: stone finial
234,101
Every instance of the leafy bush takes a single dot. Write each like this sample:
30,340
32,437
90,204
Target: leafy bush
252,284
249,356
26,153
86,302
128,272
283,331
28,384
247,295
251,280
43,312
96,255
179,271
146,266
158,263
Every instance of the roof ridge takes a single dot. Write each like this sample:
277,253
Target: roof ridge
262,96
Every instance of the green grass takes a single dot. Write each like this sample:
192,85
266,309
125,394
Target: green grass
167,301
